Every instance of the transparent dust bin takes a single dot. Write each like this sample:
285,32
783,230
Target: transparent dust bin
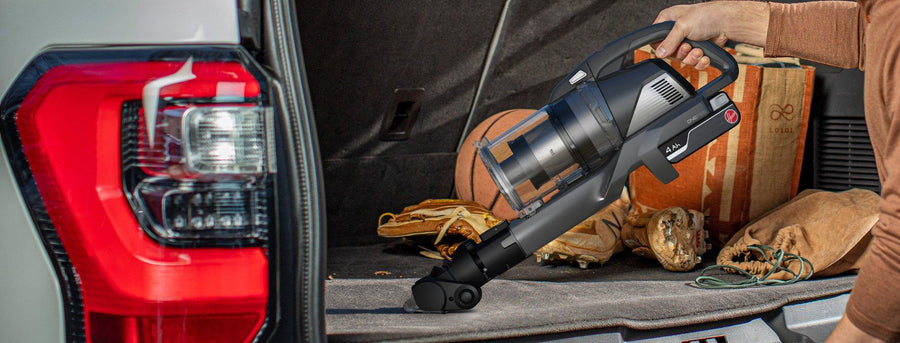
530,162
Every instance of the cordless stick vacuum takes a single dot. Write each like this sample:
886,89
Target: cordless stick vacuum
571,158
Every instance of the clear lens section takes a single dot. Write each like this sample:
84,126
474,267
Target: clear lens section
225,140
207,142
187,210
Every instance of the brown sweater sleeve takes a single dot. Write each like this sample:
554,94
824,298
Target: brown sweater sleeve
827,32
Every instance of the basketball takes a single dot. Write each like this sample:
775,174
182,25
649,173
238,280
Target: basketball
473,182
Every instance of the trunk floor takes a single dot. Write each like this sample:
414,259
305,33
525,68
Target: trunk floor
367,286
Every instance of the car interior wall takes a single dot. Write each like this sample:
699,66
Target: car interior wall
542,41
357,53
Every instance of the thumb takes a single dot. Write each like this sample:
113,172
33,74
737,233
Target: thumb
671,43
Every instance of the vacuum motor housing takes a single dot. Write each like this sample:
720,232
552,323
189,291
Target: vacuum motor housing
563,141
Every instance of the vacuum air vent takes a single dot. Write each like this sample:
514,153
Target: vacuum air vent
667,91
657,96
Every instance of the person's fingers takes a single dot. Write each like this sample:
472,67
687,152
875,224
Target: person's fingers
720,40
683,50
703,63
693,57
672,41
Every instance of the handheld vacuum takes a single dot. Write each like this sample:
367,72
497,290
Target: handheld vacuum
572,157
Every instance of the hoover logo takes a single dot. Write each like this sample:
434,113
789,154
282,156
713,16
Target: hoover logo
731,116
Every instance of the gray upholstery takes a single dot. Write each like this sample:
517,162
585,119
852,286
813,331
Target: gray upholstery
626,292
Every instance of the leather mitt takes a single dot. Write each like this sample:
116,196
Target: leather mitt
594,240
674,236
438,225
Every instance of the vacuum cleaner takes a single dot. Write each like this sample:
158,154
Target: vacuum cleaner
572,157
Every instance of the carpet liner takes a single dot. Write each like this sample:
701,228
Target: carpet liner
368,285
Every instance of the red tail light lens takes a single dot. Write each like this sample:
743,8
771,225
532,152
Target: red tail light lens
154,171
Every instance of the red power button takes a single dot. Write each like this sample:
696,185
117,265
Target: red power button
731,116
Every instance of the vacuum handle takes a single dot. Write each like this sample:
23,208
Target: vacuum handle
610,59
718,57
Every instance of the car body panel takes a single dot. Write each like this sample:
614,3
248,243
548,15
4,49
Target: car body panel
29,280
94,22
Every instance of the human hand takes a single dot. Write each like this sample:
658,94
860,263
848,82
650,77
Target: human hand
742,21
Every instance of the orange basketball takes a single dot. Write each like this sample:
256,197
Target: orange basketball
473,182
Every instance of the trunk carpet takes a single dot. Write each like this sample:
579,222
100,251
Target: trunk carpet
367,287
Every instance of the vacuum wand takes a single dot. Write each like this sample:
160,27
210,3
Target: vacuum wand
456,285
572,157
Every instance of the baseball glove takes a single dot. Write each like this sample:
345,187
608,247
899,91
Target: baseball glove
449,221
594,240
674,236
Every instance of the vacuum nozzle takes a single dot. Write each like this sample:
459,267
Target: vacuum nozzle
437,294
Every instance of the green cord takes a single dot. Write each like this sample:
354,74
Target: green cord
778,260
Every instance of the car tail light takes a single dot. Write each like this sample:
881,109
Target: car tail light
153,170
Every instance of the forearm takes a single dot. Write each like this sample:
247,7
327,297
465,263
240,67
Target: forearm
719,21
746,21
